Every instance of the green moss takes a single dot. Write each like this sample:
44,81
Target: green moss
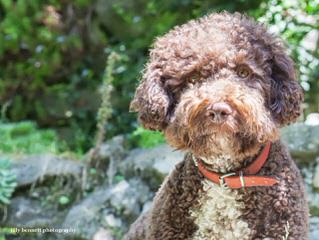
314,210
146,138
26,138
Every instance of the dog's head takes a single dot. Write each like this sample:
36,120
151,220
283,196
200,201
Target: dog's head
218,83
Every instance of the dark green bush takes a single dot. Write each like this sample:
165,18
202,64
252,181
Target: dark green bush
50,64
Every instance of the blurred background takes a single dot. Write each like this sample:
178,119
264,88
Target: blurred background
72,157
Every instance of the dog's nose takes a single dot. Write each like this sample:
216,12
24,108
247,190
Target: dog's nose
220,111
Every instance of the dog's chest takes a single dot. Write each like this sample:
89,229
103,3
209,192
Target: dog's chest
220,214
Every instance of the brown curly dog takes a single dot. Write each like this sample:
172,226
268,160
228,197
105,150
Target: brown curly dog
219,88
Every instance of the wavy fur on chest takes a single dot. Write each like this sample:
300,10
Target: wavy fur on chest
220,214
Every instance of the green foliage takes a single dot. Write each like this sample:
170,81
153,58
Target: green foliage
7,181
2,237
47,70
146,138
314,210
24,137
105,110
63,200
118,178
298,23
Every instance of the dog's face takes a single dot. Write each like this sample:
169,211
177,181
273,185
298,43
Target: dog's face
218,85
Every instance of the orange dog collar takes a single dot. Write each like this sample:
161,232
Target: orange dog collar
238,179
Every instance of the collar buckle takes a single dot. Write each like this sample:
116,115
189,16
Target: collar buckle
222,181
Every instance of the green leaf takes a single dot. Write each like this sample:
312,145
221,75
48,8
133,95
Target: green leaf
63,200
6,4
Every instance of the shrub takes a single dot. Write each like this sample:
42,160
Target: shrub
146,139
25,138
7,182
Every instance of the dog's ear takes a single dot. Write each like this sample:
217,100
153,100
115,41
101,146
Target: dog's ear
286,93
151,99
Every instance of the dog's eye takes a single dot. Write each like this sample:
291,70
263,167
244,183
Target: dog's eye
243,71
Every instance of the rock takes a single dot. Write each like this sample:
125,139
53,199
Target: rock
147,206
313,201
113,148
308,172
315,180
314,228
150,164
112,221
103,234
314,234
302,140
83,217
25,212
36,168
106,157
129,197
312,119
113,207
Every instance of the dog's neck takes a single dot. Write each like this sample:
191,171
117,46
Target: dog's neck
222,164
226,163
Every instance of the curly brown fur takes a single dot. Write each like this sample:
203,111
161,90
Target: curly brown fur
268,210
220,87
169,217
